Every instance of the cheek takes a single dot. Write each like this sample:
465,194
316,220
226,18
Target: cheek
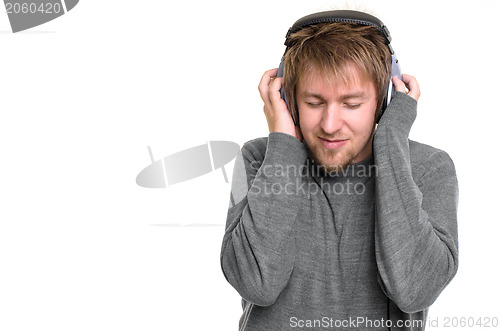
361,123
308,122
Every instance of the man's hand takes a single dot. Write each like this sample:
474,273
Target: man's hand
408,85
277,115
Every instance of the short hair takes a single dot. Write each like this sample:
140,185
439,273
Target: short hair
331,48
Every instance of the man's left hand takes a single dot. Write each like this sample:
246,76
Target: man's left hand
408,85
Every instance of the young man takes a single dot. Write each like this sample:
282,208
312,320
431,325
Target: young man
337,223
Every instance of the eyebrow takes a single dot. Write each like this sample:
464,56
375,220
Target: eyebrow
353,95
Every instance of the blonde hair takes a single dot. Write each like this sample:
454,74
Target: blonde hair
331,49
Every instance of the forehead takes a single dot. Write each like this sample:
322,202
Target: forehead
344,80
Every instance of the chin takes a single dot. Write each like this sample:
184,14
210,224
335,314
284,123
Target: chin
332,161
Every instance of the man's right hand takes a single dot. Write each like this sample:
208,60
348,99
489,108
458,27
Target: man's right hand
277,115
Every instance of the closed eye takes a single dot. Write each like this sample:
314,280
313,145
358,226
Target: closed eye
352,106
314,105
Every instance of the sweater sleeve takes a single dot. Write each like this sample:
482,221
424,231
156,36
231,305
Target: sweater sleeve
258,248
416,226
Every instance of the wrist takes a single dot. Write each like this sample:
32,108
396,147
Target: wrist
285,130
400,113
286,148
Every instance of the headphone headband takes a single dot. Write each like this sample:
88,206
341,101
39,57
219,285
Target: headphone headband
344,16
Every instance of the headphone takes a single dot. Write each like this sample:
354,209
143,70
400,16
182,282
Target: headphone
346,16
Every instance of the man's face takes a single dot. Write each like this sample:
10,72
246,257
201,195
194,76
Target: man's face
336,119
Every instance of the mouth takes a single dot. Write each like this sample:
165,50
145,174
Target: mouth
334,143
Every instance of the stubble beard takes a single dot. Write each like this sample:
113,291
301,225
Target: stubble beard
330,161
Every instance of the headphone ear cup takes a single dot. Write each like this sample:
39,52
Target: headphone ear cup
391,89
279,75
283,94
281,67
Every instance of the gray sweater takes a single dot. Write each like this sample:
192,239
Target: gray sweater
368,249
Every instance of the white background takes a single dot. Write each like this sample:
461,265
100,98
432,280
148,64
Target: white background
82,247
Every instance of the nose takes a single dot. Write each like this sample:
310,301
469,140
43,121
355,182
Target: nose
332,119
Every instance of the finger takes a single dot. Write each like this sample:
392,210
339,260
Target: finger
413,87
264,84
267,76
272,72
274,90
